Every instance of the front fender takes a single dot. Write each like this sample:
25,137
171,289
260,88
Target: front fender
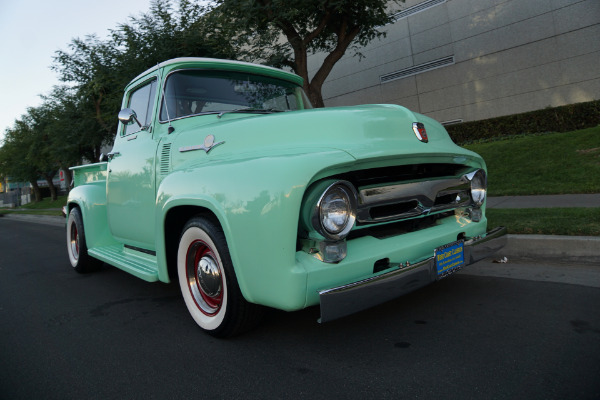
257,202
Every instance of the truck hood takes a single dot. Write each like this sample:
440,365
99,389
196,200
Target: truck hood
363,132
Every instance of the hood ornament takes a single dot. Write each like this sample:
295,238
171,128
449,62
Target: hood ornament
209,144
420,132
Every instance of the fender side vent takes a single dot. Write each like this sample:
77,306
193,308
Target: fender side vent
165,159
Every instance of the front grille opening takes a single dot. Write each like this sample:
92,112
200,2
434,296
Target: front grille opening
391,210
400,173
384,231
381,265
447,199
452,200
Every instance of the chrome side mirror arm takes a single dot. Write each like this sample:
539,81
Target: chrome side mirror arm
127,116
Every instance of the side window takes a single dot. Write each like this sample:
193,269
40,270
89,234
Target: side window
141,101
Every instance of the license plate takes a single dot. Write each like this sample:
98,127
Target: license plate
449,258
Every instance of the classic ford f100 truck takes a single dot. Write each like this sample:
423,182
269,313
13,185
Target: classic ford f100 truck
222,177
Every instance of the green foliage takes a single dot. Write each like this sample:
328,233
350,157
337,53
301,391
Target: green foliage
76,120
72,131
47,203
558,119
547,221
27,152
100,69
553,163
13,153
308,26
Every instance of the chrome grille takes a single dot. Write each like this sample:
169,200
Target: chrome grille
408,200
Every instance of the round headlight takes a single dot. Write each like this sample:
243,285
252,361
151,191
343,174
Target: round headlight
337,210
478,187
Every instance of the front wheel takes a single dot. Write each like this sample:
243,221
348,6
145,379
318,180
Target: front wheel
208,282
76,244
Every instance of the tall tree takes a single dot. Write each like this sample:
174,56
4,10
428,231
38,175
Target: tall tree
91,68
75,121
307,26
70,131
100,69
40,154
13,155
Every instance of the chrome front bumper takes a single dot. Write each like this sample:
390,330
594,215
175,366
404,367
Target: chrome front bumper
347,299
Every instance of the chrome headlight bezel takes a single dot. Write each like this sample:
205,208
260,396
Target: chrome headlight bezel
324,216
478,180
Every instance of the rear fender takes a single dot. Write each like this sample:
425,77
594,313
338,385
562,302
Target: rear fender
91,200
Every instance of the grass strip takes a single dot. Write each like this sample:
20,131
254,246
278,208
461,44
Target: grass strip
553,163
46,203
547,221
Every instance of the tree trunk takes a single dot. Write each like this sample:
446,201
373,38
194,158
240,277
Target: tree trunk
97,152
316,98
36,191
51,186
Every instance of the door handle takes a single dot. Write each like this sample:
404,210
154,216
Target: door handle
113,154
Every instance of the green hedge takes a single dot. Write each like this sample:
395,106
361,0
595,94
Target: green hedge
558,119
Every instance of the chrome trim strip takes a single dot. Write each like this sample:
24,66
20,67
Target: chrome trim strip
209,144
185,149
347,299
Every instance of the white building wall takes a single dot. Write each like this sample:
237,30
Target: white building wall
509,56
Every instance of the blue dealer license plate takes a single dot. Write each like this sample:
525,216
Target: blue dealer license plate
449,258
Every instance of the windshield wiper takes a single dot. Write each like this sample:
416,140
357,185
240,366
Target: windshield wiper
249,110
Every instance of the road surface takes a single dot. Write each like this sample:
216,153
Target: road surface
492,331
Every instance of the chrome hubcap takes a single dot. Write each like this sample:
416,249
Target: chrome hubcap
204,278
74,242
209,276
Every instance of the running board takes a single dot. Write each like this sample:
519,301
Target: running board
139,264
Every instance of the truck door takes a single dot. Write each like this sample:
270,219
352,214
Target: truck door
131,173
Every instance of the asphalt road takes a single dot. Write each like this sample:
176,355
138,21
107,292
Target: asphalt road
109,335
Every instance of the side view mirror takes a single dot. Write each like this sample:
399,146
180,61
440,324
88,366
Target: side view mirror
127,116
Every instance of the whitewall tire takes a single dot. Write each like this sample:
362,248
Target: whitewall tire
208,283
76,244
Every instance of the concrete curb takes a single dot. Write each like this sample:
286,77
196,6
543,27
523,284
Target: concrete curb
38,219
581,249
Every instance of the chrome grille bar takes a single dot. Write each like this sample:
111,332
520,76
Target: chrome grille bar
406,200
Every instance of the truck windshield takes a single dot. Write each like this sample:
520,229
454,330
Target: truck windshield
195,92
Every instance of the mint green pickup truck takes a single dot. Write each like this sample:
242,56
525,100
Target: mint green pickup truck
223,178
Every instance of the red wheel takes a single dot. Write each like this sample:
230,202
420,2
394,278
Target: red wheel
204,277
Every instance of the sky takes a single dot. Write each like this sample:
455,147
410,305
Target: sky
31,31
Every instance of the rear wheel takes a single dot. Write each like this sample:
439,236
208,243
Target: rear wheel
208,282
76,245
